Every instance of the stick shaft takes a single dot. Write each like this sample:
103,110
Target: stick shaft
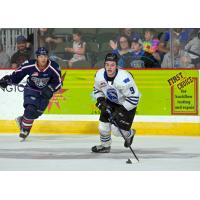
125,139
115,123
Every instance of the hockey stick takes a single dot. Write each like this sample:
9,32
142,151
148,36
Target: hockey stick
115,123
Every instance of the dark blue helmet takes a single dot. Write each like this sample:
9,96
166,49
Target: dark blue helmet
41,51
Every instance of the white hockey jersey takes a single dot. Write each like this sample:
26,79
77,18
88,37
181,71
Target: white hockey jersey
122,90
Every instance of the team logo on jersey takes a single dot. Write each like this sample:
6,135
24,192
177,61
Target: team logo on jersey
112,95
40,82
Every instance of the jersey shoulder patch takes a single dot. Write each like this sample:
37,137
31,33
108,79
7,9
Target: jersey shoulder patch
124,77
126,80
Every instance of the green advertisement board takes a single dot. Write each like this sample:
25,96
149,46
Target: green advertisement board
163,92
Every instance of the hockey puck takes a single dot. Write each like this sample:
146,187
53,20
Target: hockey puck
129,161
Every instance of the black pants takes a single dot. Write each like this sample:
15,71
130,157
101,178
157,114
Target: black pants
124,123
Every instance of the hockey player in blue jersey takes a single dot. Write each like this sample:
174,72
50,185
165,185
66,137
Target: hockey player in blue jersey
117,95
44,79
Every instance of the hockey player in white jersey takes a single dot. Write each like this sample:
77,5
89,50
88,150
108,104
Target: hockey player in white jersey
116,91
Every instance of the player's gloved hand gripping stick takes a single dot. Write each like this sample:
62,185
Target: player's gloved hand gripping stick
114,122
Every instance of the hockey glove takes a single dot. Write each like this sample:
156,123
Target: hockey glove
5,81
47,92
102,104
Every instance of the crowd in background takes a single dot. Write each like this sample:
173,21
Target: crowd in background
86,48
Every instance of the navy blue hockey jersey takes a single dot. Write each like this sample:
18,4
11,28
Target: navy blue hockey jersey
38,79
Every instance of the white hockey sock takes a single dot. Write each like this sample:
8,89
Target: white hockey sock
105,140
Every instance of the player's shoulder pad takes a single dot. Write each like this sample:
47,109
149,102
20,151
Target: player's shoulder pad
124,77
100,73
131,74
28,62
55,65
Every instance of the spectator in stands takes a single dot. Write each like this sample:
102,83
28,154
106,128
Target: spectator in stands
43,33
139,57
130,33
186,35
78,50
122,46
4,58
193,47
23,53
183,35
122,49
47,39
163,41
181,58
151,43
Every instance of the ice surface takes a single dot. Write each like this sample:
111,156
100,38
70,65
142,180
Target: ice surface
72,152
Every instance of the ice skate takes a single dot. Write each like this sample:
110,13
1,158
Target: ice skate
23,135
101,149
